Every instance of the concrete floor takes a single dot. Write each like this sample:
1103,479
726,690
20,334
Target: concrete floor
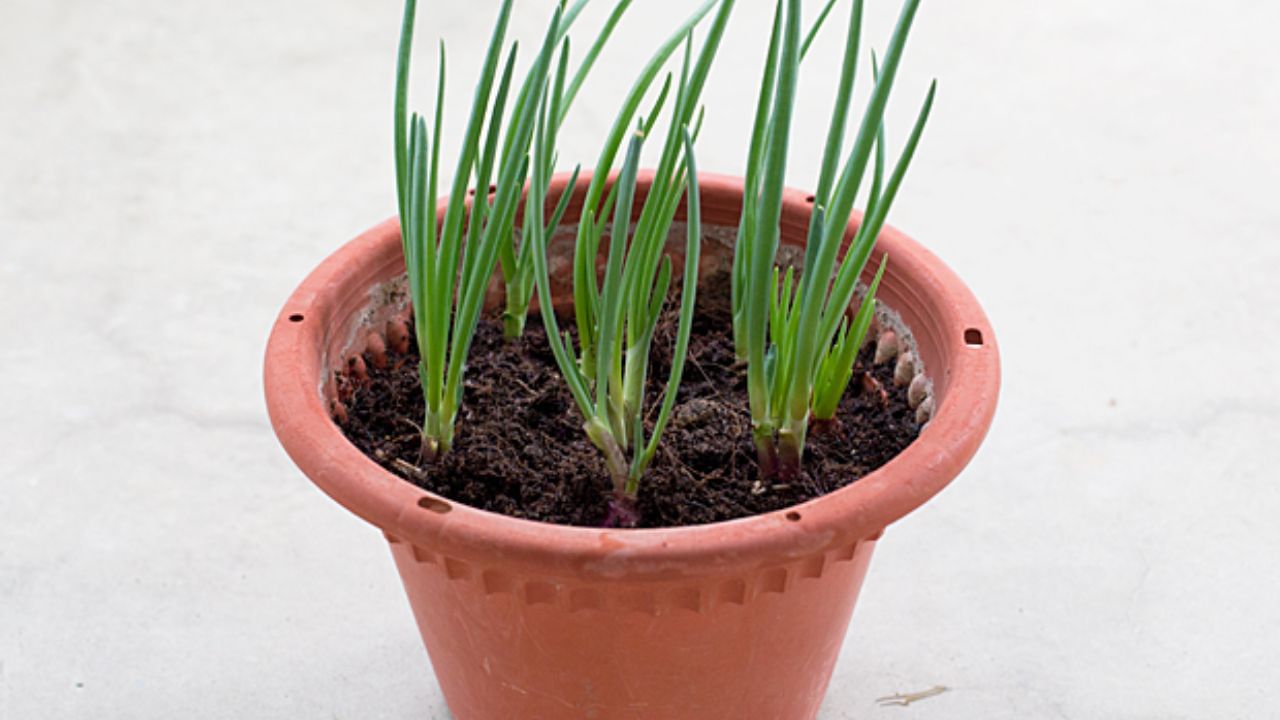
1102,173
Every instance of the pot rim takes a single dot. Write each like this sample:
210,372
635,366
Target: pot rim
968,389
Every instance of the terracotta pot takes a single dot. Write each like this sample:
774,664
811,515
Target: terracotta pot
525,620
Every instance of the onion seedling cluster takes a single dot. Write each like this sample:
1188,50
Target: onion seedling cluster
616,316
794,331
450,261
796,336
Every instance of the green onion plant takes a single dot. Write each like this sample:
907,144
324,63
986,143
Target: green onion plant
450,261
616,315
517,262
795,334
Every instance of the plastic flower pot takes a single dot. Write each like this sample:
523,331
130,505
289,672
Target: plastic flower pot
527,620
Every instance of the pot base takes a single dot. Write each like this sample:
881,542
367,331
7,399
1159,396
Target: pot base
750,645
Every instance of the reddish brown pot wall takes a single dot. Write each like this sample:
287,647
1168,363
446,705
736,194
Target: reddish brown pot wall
732,620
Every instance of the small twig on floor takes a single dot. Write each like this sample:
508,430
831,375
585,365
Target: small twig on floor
905,699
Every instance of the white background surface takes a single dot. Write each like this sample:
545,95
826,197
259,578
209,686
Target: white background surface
1103,174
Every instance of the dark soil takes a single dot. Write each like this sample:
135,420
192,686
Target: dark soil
520,449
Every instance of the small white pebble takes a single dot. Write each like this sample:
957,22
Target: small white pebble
905,370
924,413
886,347
918,391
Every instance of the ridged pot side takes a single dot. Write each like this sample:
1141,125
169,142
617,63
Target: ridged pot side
735,619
